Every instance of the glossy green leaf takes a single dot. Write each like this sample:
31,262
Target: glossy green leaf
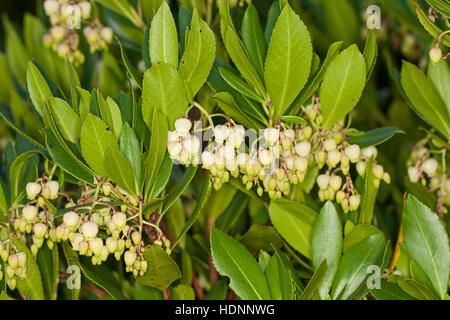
294,221
162,270
130,148
373,137
183,292
157,151
164,90
389,291
206,191
272,17
288,61
368,196
242,61
240,85
231,259
424,98
353,270
370,52
342,85
181,186
130,68
163,37
48,261
261,238
96,139
359,233
119,169
198,57
67,120
440,75
427,243
327,244
292,119
431,27
38,88
316,281
279,279
253,39
17,173
415,289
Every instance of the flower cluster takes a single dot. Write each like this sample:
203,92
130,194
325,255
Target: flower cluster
15,263
66,16
424,167
279,158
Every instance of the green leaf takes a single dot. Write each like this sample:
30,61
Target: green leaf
227,103
231,259
181,186
316,281
157,151
261,238
206,191
292,119
294,221
198,57
370,52
146,292
130,68
359,233
38,88
253,38
424,98
342,85
119,169
240,85
17,173
288,61
16,53
31,286
125,9
440,75
60,156
352,270
369,195
163,37
440,5
96,138
66,118
183,292
279,280
389,291
48,261
272,17
164,90
431,27
427,243
162,270
242,61
111,114
327,244
415,289
373,137
340,20
130,148
163,176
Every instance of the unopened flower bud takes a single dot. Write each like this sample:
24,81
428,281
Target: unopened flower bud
136,237
96,246
413,174
33,189
29,213
435,55
329,145
340,195
335,183
120,220
39,230
430,166
323,181
378,171
266,157
89,230
71,219
51,7
353,152
369,152
354,202
130,258
361,168
13,261
303,148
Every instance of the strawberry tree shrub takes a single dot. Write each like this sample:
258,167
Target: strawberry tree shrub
208,151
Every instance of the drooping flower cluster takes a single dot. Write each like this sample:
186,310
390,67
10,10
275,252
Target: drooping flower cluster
104,221
66,16
427,166
279,158
15,263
